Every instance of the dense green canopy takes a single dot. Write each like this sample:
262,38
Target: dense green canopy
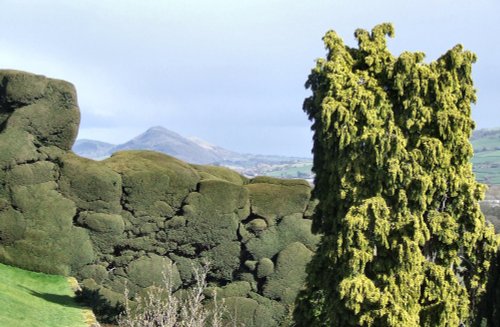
404,241
119,223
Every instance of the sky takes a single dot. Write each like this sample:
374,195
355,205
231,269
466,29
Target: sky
229,72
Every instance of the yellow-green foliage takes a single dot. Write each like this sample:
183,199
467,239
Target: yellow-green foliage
405,243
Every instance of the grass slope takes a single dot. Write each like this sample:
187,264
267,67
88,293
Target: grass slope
32,299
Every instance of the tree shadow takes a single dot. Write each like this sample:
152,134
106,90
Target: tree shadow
64,300
104,310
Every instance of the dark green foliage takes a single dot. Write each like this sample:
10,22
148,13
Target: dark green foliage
211,215
274,239
16,146
35,173
249,311
12,226
105,304
238,289
404,243
311,207
279,181
265,267
121,222
225,259
149,270
185,267
223,173
277,310
142,244
289,275
272,198
490,307
96,272
225,198
51,243
106,230
154,184
20,89
45,108
90,184
102,223
257,225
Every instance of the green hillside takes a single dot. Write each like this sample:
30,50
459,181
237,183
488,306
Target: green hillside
486,160
38,300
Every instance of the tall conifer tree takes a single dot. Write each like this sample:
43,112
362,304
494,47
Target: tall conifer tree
404,241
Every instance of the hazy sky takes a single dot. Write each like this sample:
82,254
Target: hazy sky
231,72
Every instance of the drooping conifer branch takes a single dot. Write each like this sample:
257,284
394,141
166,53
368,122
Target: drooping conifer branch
404,241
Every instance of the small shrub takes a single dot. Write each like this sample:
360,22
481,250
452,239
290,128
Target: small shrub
160,307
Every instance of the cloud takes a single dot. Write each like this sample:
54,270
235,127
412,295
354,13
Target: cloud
217,68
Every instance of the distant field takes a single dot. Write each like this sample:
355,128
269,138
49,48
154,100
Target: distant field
29,299
486,160
300,171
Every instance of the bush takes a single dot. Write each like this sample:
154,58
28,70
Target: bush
161,307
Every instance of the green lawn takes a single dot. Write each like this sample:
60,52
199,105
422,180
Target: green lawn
31,299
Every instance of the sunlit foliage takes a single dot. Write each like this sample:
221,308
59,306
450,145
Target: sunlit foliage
404,241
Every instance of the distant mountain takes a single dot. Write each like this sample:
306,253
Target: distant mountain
193,150
93,149
221,153
163,140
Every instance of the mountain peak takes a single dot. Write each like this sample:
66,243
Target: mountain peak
157,128
160,130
